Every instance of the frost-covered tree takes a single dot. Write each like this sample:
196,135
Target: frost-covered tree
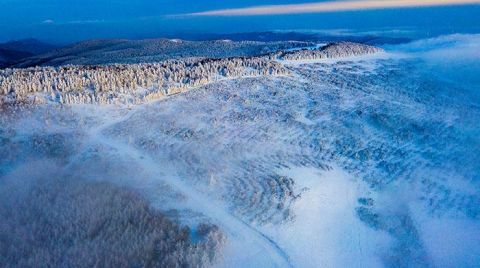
80,223
136,83
107,84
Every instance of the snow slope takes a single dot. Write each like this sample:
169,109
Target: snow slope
350,163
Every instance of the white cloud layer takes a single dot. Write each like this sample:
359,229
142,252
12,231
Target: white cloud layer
331,6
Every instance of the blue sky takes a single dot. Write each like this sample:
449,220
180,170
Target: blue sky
73,20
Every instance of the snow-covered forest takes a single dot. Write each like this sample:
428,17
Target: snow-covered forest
137,83
126,83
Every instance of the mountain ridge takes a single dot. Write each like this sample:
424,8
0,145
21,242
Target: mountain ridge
12,52
138,83
111,51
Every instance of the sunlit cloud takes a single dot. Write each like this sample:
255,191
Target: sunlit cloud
331,6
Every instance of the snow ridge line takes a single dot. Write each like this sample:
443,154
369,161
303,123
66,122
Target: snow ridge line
139,83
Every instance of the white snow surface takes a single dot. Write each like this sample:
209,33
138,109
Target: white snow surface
326,231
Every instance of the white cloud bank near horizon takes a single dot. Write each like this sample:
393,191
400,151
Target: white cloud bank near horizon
331,6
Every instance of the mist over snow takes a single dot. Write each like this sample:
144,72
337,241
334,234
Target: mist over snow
361,162
453,57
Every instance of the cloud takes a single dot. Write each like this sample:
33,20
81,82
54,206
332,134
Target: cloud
446,48
85,22
454,58
354,32
49,21
72,22
331,6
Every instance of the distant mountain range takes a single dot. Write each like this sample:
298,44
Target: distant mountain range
14,51
99,52
369,39
31,52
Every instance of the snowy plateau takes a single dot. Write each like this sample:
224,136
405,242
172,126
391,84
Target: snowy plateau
338,155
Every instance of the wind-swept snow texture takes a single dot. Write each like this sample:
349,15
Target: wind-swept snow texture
360,162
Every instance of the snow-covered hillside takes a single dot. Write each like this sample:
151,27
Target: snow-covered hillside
366,161
96,52
137,83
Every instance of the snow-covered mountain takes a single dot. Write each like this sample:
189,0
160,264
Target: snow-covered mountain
137,83
351,156
116,51
110,51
